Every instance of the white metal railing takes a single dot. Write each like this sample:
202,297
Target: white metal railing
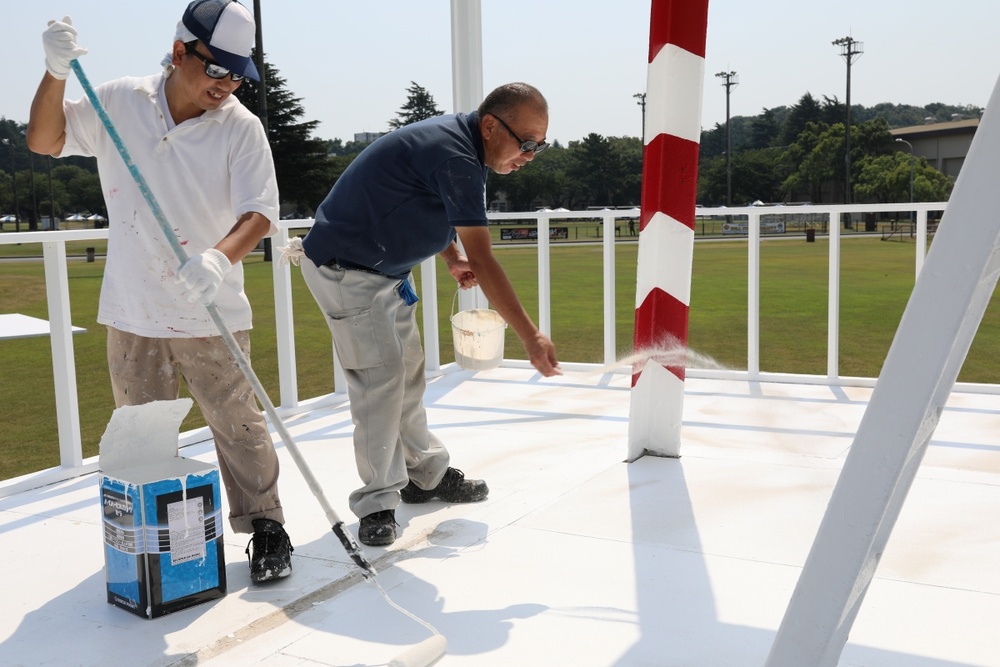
57,291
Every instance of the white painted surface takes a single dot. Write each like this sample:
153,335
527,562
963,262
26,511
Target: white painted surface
575,559
16,325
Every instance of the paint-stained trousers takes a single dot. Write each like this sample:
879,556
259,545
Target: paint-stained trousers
149,369
376,337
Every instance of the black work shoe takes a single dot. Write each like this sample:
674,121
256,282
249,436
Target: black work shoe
272,551
453,488
378,529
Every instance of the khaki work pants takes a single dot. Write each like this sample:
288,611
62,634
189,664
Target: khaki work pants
149,369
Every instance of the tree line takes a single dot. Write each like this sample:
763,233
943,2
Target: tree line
783,154
44,186
798,154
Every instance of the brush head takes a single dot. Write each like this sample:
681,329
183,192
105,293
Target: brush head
353,550
423,654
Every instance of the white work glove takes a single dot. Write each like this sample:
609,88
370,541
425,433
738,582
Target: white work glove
59,41
202,275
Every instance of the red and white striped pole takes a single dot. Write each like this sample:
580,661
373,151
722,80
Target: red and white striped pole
675,82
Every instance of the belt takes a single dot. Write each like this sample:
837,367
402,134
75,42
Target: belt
344,264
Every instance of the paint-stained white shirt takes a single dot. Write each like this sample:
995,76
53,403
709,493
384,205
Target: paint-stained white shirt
204,173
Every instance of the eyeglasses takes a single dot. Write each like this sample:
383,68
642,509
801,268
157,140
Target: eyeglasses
526,146
213,69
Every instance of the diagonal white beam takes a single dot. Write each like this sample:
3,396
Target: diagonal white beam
933,339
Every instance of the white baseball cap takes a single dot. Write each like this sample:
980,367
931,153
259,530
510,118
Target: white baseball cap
227,30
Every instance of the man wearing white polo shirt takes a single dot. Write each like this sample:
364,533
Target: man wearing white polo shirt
207,160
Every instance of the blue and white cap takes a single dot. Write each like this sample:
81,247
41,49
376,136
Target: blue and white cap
227,30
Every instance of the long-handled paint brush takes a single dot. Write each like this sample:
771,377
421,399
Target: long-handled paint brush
423,653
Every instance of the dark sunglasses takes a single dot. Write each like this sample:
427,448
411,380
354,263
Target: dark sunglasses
213,69
526,146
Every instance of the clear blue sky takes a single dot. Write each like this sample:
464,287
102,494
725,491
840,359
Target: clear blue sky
351,61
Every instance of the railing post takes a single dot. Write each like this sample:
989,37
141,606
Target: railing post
921,240
63,358
429,301
833,300
284,325
753,294
544,277
610,353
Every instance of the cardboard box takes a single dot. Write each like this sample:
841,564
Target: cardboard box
162,515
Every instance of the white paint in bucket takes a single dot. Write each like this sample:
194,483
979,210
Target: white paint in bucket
478,336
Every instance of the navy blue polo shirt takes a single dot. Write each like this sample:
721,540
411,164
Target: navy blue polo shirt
400,200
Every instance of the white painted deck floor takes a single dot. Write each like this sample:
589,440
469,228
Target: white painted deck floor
576,558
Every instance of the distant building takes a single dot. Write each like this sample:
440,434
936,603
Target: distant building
367,137
945,145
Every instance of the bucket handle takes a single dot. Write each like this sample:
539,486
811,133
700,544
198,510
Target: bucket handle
451,318
454,302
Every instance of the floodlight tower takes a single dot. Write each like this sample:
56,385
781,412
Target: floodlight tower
13,175
641,101
849,48
730,81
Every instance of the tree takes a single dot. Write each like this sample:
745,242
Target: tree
833,112
541,183
629,152
555,186
521,188
713,142
757,174
886,178
602,168
419,106
871,138
76,190
764,130
712,186
301,162
812,160
799,116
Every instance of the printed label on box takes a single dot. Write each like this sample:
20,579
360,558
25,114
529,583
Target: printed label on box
186,521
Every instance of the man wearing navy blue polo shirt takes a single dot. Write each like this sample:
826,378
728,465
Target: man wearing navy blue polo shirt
404,199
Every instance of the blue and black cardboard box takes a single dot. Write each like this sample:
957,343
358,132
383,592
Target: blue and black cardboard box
162,521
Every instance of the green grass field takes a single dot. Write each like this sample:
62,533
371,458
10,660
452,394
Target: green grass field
876,279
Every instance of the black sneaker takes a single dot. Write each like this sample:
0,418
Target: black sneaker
378,529
453,488
272,551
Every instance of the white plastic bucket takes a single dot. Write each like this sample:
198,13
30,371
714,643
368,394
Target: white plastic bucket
478,336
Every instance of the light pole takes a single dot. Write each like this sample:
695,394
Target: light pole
641,101
13,176
904,141
730,82
33,223
53,225
849,48
261,93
